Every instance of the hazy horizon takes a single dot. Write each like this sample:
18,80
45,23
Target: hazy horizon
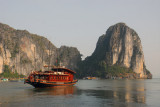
80,23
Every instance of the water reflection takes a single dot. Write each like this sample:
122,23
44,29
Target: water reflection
129,91
120,92
55,91
96,93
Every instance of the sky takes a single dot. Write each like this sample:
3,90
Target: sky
79,23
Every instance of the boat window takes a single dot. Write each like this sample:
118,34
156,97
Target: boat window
51,78
42,77
45,77
36,77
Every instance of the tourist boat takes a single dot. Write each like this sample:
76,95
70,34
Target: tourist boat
57,76
90,78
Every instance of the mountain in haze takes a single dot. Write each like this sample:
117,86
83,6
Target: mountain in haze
118,53
24,52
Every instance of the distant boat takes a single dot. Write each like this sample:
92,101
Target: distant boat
58,76
90,78
4,79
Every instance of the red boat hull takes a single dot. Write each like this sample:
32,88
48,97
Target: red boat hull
43,84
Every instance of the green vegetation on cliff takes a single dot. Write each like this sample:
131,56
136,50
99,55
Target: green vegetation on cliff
102,70
8,74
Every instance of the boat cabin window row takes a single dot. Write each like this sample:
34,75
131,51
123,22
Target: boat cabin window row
52,77
58,78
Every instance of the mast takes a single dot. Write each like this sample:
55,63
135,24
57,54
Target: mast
49,56
42,56
57,58
35,58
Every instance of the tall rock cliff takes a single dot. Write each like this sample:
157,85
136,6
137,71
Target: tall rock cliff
120,46
24,52
70,57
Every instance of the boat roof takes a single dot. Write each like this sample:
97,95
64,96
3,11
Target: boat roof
62,68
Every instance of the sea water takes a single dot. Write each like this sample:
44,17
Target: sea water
86,93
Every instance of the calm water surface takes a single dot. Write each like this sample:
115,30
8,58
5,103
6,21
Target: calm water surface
86,93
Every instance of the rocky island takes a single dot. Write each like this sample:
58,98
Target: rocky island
118,54
22,52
